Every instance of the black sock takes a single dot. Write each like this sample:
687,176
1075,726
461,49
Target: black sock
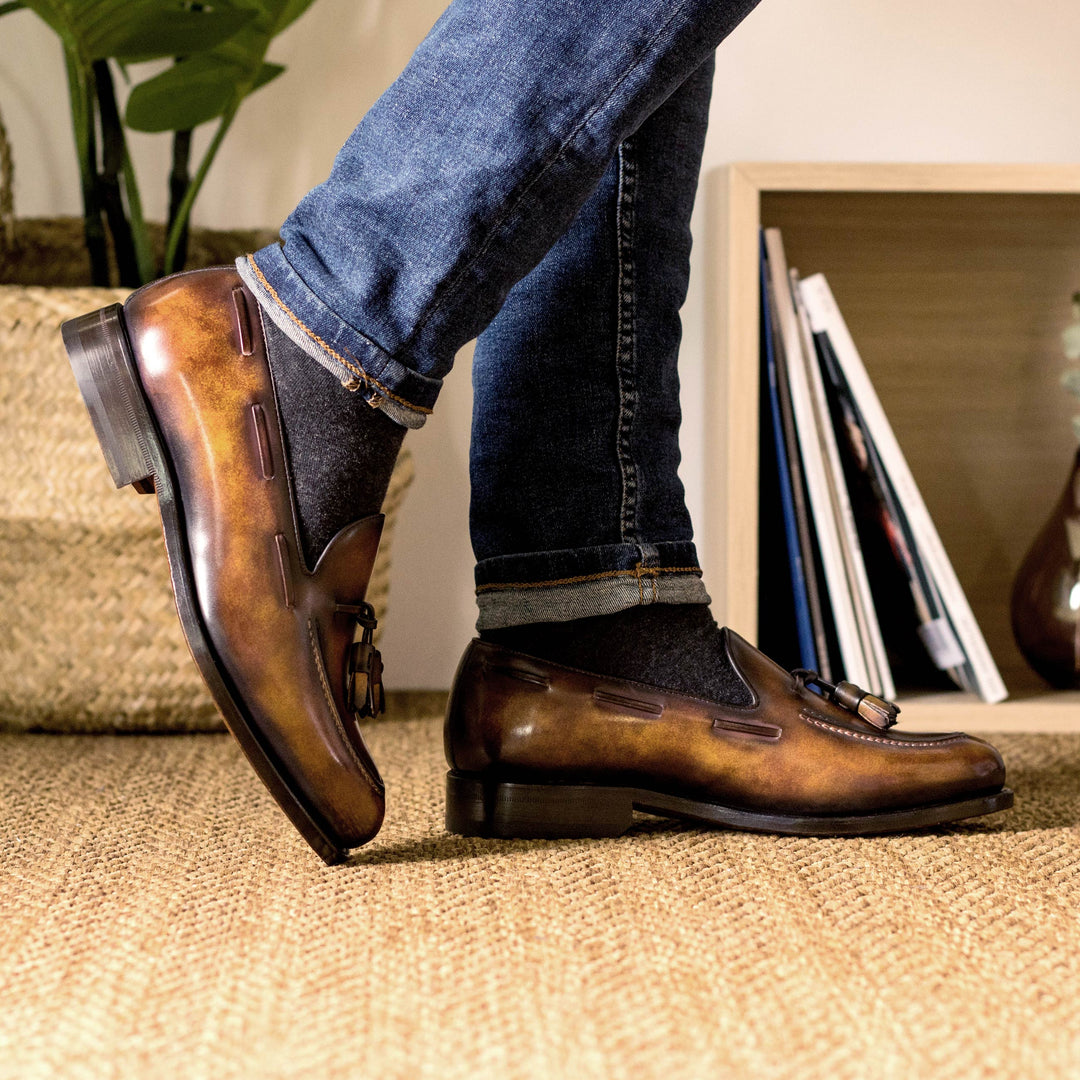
341,450
674,646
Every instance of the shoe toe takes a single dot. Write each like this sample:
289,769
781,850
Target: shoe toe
986,766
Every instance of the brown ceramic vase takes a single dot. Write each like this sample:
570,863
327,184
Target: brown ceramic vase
1046,593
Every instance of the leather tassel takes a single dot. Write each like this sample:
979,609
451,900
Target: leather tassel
365,682
361,686
365,689
874,710
877,711
376,695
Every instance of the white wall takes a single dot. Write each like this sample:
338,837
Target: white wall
846,80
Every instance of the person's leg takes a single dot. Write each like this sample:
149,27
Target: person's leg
564,727
600,683
584,545
451,188
267,473
465,172
575,439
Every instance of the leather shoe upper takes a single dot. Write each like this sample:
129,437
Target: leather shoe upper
281,630
514,717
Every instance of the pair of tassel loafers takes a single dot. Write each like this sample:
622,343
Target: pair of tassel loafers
180,393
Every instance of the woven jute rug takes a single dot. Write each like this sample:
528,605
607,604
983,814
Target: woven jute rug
162,920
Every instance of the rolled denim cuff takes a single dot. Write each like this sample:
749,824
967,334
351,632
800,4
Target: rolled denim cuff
360,363
556,586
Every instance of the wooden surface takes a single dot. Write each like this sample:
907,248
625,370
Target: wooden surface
731,445
1038,710
908,177
956,300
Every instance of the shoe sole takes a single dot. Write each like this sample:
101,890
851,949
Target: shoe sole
478,807
103,362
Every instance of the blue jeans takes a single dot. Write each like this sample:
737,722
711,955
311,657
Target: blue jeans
527,180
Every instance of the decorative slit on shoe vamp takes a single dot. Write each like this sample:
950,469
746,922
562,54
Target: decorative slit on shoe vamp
262,441
243,321
748,727
651,709
531,678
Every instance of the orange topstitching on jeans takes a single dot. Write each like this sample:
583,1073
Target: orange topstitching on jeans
638,572
358,371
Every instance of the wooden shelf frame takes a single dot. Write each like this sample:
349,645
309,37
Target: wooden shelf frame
731,475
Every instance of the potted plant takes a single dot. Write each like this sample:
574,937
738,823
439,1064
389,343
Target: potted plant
217,53
83,586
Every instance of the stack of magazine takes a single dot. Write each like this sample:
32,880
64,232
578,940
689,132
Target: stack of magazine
871,595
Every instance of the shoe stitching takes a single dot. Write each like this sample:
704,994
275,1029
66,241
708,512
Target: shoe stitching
358,371
638,572
899,743
321,668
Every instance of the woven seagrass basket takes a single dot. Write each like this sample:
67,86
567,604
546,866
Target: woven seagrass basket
89,638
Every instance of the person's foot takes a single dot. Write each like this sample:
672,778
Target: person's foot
181,392
544,748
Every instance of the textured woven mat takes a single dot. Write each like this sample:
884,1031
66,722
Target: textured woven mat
161,920
89,638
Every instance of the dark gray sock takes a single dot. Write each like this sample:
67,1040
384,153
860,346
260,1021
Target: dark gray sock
341,450
674,646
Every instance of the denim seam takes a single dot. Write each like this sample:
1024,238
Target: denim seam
552,159
626,339
639,572
355,368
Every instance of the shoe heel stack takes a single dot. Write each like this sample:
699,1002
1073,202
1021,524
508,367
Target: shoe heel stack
479,807
104,368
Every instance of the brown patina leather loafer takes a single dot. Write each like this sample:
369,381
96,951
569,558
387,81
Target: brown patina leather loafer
537,749
180,393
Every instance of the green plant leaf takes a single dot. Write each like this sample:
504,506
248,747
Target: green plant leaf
248,47
170,32
189,93
214,82
244,51
134,30
267,73
292,11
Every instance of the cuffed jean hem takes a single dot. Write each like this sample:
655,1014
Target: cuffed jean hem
563,585
560,603
359,363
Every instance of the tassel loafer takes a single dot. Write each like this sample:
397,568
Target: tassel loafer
539,749
181,396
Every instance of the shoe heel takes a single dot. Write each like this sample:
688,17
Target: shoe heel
104,368
476,807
